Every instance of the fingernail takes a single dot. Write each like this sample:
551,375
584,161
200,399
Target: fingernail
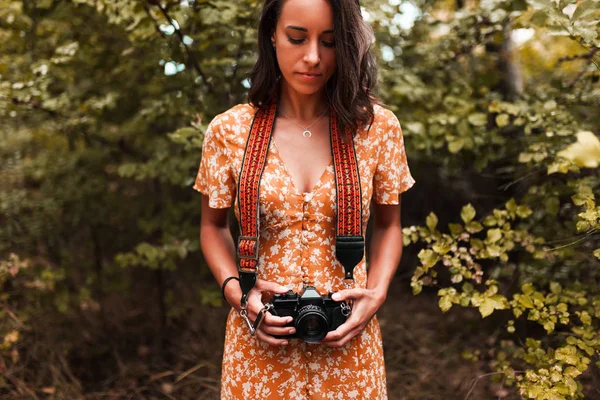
335,296
292,330
285,343
289,319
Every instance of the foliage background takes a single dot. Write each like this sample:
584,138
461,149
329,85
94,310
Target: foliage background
103,103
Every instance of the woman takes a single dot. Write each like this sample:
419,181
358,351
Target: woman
314,58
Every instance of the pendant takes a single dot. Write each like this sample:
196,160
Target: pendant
307,133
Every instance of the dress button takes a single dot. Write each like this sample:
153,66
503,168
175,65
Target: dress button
308,354
306,215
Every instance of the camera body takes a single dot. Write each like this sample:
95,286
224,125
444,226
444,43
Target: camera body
313,314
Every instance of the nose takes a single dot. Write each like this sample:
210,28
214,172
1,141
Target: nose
312,56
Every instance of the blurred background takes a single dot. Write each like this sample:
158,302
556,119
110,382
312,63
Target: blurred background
104,293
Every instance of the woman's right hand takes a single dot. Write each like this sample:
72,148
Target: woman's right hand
272,324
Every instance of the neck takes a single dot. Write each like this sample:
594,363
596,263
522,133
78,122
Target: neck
302,107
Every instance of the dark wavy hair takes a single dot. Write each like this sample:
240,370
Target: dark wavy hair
349,89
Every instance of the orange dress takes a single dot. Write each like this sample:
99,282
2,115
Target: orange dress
297,248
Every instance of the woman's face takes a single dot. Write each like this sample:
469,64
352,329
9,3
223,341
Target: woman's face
304,43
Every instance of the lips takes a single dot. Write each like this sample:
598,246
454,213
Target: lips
309,77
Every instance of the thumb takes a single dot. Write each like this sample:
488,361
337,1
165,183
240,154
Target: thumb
347,294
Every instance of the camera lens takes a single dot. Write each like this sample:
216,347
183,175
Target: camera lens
312,324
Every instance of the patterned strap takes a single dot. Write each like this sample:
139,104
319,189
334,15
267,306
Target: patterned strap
350,243
349,239
253,165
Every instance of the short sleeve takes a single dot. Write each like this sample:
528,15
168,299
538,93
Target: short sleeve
392,175
215,177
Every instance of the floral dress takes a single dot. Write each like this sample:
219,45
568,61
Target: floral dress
297,248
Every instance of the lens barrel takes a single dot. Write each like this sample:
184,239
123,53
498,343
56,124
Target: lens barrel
312,323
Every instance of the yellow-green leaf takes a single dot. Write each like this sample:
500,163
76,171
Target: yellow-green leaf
456,145
431,221
478,119
585,152
523,211
502,120
493,235
445,303
474,227
467,213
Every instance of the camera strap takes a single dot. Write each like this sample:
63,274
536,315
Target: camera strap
350,241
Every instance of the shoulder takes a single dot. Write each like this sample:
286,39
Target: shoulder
385,123
384,117
235,117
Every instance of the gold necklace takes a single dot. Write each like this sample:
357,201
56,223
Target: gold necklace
307,132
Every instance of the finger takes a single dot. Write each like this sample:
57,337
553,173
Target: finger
341,331
254,307
267,286
348,294
270,339
344,340
277,330
275,320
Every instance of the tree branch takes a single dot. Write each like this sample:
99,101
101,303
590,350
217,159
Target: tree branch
188,52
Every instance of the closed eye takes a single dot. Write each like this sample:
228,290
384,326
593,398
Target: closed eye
299,41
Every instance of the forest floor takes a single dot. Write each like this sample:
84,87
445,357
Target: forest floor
127,358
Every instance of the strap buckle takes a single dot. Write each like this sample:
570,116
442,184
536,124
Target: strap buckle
349,250
247,247
253,327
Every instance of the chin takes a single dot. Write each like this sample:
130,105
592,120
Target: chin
307,89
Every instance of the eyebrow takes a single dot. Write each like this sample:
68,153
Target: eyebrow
299,28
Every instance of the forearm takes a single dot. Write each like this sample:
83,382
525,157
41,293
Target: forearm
384,257
219,252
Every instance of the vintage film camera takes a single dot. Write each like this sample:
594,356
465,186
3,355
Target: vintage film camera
313,314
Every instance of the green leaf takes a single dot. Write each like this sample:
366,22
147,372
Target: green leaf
478,119
445,303
571,384
474,227
539,18
549,326
455,229
493,235
467,213
525,301
456,145
585,152
502,120
490,220
527,288
511,205
428,258
523,211
489,304
431,221
585,318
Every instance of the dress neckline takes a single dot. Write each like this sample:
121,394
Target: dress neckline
290,178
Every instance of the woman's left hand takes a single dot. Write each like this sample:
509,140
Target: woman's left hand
366,304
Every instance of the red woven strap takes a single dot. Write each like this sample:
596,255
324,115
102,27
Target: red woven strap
349,239
253,165
349,207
